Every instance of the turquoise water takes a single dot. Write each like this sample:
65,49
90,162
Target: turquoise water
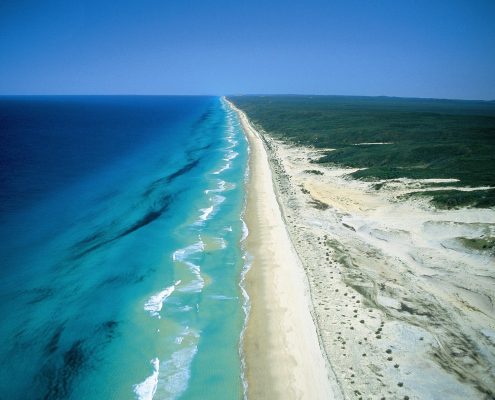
121,256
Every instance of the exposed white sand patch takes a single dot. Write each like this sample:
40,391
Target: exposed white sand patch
403,307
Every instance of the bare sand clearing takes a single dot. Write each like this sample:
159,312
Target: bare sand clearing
283,355
402,294
403,308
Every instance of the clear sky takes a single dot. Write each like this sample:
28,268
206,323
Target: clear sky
428,48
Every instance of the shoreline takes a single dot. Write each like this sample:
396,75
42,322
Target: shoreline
281,345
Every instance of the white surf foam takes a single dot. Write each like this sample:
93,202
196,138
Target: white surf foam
197,284
231,155
221,242
232,143
207,212
222,186
155,303
246,304
245,231
182,255
246,307
222,168
146,389
177,370
222,297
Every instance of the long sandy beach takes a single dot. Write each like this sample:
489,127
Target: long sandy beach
283,355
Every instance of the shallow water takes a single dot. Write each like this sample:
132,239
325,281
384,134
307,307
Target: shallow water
120,254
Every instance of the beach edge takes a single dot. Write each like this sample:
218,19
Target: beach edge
282,350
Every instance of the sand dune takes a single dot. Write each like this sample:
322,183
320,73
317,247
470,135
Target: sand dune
402,294
404,308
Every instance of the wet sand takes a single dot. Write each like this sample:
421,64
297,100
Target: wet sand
282,350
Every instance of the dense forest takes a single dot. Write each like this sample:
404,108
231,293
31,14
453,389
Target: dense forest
424,138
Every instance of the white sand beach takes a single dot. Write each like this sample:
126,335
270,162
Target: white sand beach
283,355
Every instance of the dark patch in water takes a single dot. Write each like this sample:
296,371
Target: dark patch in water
60,380
90,239
52,344
62,368
148,218
192,152
110,328
202,118
170,178
189,166
153,186
107,196
74,358
40,294
90,249
206,147
117,280
123,279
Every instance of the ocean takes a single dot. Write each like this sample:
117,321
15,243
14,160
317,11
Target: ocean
121,256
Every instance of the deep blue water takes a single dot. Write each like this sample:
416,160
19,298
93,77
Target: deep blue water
120,252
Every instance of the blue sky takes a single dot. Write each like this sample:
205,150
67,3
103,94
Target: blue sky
443,49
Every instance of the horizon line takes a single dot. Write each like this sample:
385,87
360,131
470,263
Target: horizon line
233,94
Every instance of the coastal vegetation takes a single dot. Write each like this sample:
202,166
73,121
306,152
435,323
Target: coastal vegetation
391,138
